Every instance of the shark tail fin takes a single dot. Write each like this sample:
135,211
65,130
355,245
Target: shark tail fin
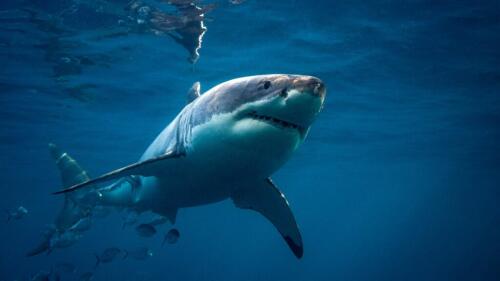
71,173
72,211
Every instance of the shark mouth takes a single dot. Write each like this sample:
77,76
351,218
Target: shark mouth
275,121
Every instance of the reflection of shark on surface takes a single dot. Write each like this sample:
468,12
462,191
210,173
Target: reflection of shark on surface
233,137
190,36
186,25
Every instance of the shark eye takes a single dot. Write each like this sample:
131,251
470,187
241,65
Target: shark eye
267,84
284,93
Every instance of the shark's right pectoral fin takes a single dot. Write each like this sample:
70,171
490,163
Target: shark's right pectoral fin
268,200
144,168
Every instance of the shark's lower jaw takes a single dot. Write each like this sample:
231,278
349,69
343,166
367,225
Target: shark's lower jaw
282,124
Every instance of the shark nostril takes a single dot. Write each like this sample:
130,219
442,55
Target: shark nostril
319,89
284,93
310,85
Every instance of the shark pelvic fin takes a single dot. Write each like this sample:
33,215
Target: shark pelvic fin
266,199
144,168
194,92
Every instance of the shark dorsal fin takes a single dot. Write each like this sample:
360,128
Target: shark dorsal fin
194,92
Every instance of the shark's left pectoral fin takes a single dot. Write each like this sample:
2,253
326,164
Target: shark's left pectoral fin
143,168
267,199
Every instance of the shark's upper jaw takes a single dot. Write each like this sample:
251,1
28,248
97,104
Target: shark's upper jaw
277,122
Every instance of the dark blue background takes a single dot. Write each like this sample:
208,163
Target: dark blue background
398,180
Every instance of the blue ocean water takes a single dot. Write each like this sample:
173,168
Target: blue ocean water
397,180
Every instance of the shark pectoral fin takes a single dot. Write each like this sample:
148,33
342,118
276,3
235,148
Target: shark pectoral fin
143,168
266,199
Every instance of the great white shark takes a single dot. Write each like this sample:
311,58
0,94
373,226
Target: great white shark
224,144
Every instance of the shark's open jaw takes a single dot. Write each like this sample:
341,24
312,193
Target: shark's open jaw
275,121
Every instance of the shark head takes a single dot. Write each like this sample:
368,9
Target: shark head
265,115
282,104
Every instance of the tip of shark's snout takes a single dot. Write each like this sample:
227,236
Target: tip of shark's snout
310,84
319,89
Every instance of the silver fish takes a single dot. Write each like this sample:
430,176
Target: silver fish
141,253
65,267
82,225
107,255
145,230
158,220
100,211
64,239
172,236
41,276
130,219
87,276
17,214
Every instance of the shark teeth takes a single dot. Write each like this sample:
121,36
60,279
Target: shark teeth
274,121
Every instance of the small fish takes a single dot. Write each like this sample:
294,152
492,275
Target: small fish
107,255
50,230
87,276
145,230
46,276
63,239
65,267
17,214
100,211
158,220
82,225
236,2
90,198
141,253
171,237
130,219
41,276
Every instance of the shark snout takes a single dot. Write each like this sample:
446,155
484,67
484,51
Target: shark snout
303,100
310,85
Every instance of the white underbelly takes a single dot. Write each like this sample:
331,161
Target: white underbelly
221,158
